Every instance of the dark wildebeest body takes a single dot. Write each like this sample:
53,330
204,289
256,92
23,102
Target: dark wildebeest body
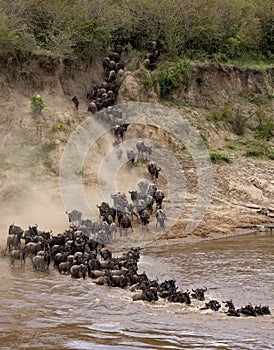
125,223
231,309
159,197
131,155
75,101
199,293
153,170
145,219
212,305
74,217
179,297
160,218
120,131
143,150
15,230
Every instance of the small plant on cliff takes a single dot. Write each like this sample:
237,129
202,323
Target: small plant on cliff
37,104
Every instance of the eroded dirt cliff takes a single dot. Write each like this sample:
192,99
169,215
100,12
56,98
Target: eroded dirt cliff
31,147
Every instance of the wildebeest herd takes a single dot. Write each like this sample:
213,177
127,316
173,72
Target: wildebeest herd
75,254
82,250
103,95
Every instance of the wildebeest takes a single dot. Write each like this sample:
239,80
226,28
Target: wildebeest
159,197
13,242
92,107
143,150
142,186
167,288
231,309
105,253
147,294
75,101
74,217
145,219
40,263
125,222
17,254
153,169
119,131
199,293
78,271
15,230
160,218
247,310
262,310
64,267
180,297
131,155
32,248
133,195
212,305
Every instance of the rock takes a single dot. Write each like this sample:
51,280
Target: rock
133,88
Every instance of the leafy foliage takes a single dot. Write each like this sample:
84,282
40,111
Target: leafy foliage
227,29
37,104
265,126
219,157
171,76
234,117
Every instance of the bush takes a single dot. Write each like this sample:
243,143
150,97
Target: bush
37,104
265,127
216,157
235,118
171,76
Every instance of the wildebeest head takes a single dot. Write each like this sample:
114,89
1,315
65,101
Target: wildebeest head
15,230
229,304
199,293
133,195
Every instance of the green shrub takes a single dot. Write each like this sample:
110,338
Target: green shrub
170,76
217,157
265,126
271,154
235,118
37,104
256,149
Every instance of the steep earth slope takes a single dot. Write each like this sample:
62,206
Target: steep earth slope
31,147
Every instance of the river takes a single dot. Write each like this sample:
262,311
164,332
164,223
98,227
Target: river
52,311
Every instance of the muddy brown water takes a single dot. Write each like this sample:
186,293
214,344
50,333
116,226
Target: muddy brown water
52,311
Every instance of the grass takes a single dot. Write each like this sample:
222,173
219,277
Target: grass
251,147
217,156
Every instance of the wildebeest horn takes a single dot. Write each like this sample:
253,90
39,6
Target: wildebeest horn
193,290
205,289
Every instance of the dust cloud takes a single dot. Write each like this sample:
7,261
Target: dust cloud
27,204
